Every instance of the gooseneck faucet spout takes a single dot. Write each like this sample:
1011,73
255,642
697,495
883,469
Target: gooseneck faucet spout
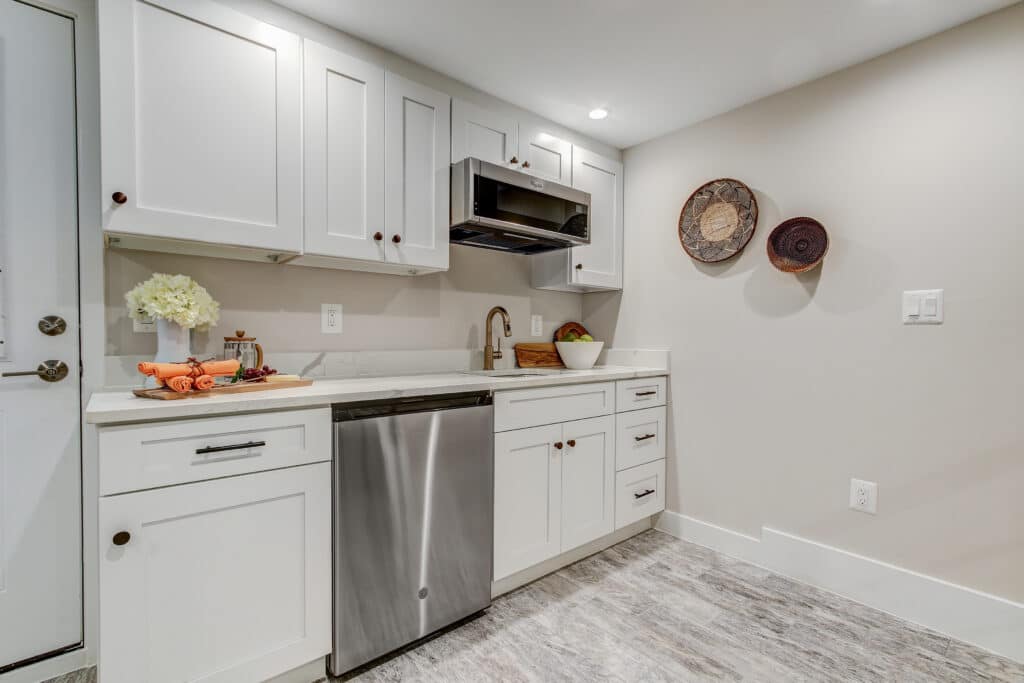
490,353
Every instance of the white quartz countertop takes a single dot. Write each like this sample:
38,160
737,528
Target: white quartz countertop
122,406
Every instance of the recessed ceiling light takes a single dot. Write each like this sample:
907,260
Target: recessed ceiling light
598,114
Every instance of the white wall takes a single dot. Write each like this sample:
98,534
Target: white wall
280,304
784,387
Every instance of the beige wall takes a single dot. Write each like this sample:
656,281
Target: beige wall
280,304
785,387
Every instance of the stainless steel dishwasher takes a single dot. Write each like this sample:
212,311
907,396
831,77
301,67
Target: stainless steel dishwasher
413,520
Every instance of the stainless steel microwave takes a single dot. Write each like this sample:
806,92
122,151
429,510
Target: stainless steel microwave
494,207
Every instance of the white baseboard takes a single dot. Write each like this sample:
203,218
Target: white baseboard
984,620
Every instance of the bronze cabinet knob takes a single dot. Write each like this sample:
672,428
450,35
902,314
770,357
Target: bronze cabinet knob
121,538
513,160
396,238
558,445
378,236
572,443
526,164
119,197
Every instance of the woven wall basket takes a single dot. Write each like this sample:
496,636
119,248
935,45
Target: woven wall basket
718,220
797,245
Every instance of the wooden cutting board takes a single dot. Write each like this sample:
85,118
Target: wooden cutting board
534,355
164,394
570,327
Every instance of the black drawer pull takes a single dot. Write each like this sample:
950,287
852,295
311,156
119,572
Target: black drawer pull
646,393
644,494
235,447
645,437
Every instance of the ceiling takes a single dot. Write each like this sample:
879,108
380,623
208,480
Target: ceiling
655,65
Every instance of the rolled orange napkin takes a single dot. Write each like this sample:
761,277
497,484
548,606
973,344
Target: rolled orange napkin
203,382
219,368
165,371
180,384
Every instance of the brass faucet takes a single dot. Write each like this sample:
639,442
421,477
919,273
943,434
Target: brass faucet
490,353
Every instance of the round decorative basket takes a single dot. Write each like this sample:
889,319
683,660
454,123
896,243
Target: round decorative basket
718,220
797,245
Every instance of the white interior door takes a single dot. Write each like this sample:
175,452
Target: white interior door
40,456
344,145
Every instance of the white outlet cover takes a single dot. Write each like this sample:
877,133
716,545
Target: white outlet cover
923,307
864,496
536,325
330,318
144,325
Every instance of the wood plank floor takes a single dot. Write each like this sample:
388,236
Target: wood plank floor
655,608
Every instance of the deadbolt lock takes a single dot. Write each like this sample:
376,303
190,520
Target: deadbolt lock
52,325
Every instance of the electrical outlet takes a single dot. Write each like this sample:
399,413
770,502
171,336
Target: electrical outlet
144,325
537,325
864,496
330,318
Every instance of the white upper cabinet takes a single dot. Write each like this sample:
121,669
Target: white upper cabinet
598,265
344,155
483,134
545,155
417,174
201,127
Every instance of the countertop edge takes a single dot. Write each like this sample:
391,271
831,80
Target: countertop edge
123,408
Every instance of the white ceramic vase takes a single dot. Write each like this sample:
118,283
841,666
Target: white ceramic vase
173,344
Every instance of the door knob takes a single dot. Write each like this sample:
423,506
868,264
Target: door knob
396,238
513,160
119,197
572,443
378,236
579,266
121,538
52,325
526,164
558,445
48,371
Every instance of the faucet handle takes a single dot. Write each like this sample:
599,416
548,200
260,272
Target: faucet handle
497,351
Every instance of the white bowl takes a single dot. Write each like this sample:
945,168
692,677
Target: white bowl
579,355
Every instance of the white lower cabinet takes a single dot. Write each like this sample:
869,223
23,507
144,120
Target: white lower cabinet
527,498
223,580
554,490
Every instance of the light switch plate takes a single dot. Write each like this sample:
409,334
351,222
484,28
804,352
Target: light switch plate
923,307
536,325
330,318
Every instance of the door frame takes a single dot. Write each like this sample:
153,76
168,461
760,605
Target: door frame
91,326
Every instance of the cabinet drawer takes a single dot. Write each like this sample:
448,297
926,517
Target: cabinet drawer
548,405
144,456
633,394
640,492
640,437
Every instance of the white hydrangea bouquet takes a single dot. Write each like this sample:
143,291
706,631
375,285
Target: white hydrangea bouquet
179,304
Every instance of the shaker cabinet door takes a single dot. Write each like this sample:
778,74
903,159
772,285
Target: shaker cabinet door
599,264
344,155
222,580
527,498
417,164
200,123
544,155
483,134
588,480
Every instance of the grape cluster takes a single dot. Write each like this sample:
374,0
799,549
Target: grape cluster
257,373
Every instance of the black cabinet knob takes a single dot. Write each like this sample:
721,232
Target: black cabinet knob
122,538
